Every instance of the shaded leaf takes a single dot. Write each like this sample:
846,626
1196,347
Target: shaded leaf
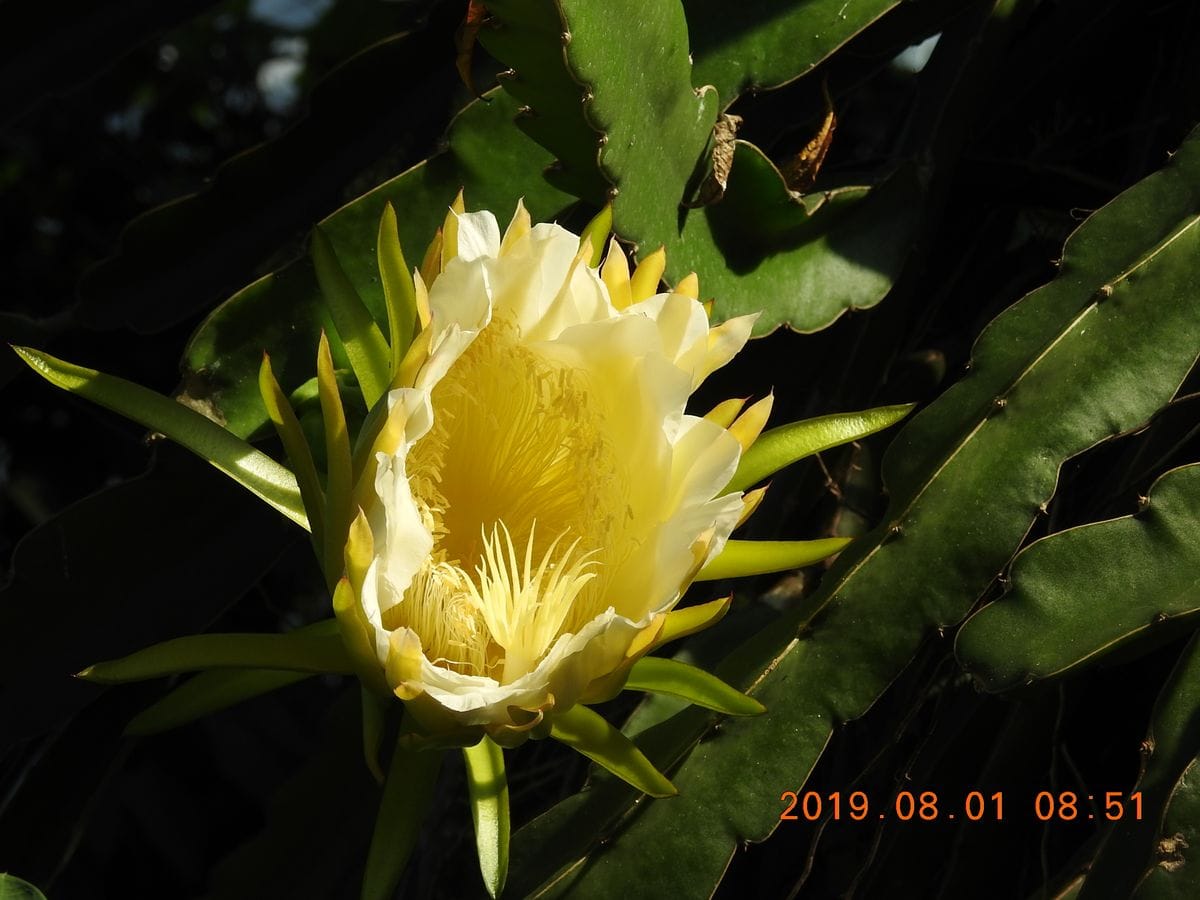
312,844
1128,847
1080,594
1088,356
1175,874
48,49
101,566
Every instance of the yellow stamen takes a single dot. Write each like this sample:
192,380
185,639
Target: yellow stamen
525,608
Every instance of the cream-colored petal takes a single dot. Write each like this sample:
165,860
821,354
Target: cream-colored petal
581,297
526,284
683,325
403,535
705,456
724,343
478,236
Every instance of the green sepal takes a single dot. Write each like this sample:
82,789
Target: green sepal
364,440
374,720
741,558
487,788
407,794
339,479
283,417
680,623
207,693
669,676
399,294
365,345
596,234
782,446
358,638
315,649
250,468
587,731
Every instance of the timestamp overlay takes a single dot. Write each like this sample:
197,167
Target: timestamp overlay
971,806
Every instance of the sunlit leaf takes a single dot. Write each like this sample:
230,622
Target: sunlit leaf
1091,354
14,888
1080,594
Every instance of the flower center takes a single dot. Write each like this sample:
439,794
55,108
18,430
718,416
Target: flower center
518,485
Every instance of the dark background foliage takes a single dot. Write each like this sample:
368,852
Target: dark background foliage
110,109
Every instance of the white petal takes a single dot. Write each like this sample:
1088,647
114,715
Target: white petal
478,235
724,342
705,457
403,542
683,325
461,308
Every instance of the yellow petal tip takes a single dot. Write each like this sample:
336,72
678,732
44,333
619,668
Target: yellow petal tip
689,286
646,277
